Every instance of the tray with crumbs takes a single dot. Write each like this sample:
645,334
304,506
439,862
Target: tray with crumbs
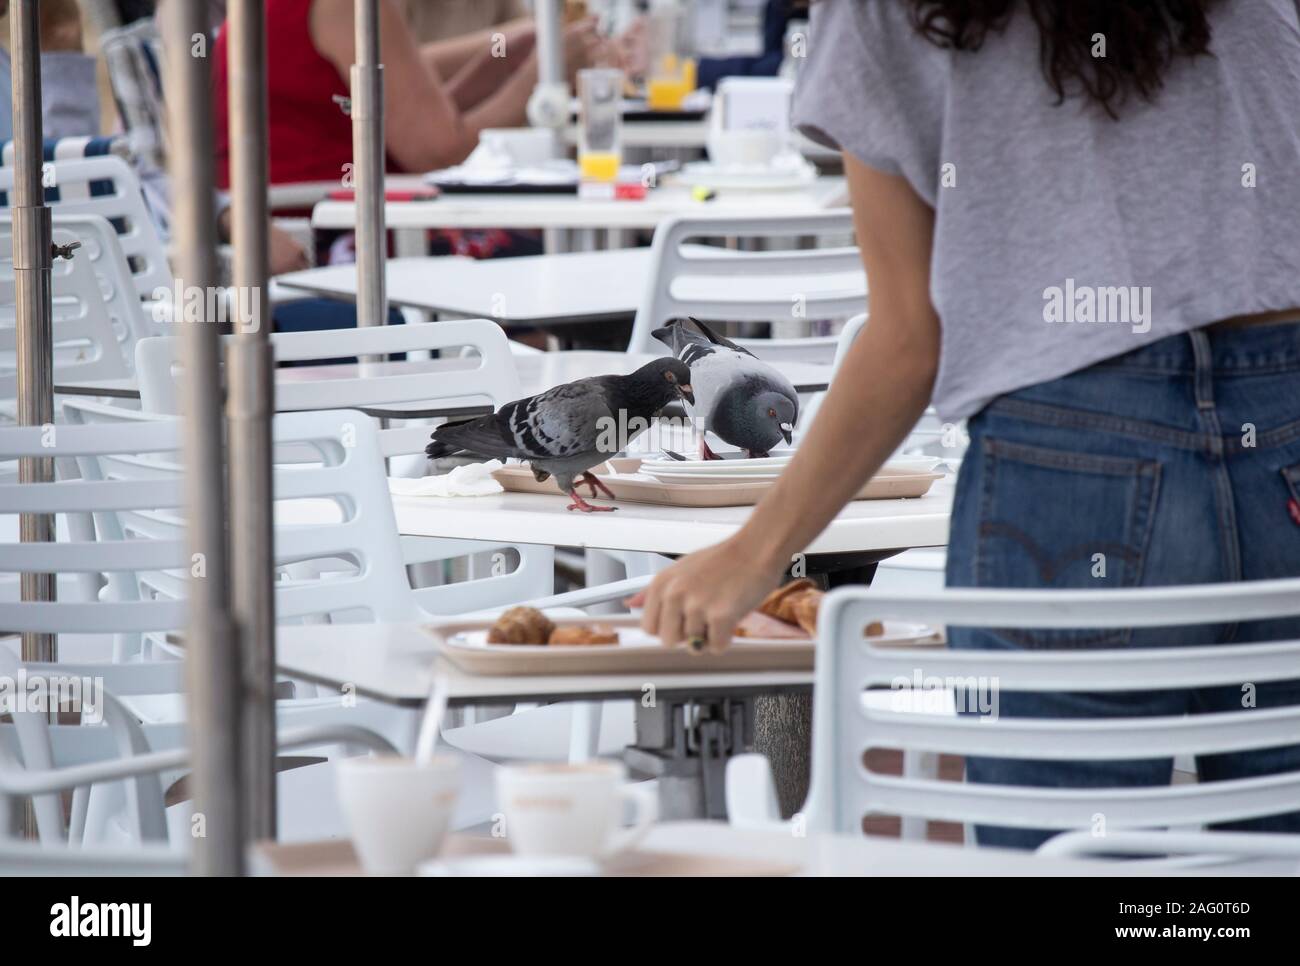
465,643
627,485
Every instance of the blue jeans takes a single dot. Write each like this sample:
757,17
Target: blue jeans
1177,463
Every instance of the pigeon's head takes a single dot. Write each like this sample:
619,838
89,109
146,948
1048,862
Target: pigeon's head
754,421
666,379
776,412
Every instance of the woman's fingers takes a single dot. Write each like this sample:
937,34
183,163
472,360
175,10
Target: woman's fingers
721,627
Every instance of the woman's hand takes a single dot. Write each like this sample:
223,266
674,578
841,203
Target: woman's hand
706,594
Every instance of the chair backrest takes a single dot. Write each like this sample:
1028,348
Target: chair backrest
100,248
108,186
491,380
335,509
753,286
86,343
134,58
844,725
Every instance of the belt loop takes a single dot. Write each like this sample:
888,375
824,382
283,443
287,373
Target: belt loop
1203,368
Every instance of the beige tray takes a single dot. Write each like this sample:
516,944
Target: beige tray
336,857
745,653
618,475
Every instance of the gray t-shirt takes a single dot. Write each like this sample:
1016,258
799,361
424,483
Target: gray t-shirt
1063,237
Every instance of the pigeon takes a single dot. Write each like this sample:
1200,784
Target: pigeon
743,400
565,431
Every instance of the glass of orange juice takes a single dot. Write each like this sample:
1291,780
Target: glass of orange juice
600,123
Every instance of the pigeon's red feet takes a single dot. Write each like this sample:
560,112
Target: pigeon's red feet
593,481
580,504
705,452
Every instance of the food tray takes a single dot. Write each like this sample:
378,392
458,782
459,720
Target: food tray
464,643
623,481
637,653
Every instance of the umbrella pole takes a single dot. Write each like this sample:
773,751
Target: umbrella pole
367,107
212,653
250,405
32,242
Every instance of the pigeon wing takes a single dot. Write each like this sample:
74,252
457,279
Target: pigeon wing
560,423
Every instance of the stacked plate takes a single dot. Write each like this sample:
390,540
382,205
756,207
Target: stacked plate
732,471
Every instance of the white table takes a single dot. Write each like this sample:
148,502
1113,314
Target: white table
570,211
863,526
548,290
818,854
537,372
394,663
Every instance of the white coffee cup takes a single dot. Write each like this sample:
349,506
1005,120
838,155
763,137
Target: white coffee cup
397,809
523,146
572,809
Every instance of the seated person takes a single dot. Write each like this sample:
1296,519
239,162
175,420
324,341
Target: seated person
437,99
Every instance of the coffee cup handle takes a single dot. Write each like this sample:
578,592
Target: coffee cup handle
645,802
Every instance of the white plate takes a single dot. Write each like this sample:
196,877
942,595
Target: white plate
902,632
766,463
627,637
720,479
896,632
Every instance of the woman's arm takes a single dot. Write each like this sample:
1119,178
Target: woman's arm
876,398
447,57
424,128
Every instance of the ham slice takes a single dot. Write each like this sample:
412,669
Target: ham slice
755,624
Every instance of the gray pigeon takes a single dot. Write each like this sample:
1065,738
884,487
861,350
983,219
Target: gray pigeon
743,400
565,431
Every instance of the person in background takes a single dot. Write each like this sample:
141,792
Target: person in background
434,20
436,100
1142,431
67,75
777,15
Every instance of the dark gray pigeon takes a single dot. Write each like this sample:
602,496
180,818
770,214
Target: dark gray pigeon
565,431
742,400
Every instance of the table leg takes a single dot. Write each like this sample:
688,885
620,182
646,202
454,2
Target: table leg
410,242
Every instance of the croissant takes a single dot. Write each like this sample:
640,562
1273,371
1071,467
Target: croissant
521,625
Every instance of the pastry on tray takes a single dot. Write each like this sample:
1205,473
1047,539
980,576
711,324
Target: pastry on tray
521,625
581,634
789,612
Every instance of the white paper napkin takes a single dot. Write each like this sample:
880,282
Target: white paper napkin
473,479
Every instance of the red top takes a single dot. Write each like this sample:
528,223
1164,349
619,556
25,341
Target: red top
310,135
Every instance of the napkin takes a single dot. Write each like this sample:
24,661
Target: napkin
473,479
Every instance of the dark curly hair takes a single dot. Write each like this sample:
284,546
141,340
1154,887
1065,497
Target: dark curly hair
1142,39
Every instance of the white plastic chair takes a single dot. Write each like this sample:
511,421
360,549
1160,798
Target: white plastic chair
845,725
162,553
492,381
107,186
763,286
85,343
95,284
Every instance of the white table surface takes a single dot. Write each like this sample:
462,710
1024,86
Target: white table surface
862,526
395,663
845,855
537,371
548,289
570,211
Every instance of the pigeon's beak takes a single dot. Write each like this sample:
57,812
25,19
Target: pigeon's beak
687,392
787,433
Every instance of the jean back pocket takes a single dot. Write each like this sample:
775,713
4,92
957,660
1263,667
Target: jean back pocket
1063,520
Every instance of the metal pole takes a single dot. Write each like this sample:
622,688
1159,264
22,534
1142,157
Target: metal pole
250,405
211,645
368,165
549,105
32,256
